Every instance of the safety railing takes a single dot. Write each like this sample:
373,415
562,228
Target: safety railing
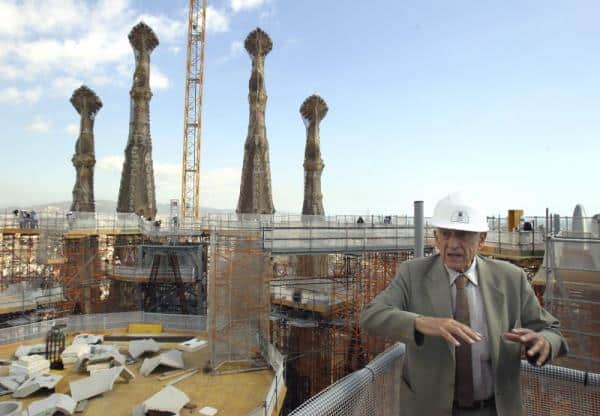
374,390
274,394
102,322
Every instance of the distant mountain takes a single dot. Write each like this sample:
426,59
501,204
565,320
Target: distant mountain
105,207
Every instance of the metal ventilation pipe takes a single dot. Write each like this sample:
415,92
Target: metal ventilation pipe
419,222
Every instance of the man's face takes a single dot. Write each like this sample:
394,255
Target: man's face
458,248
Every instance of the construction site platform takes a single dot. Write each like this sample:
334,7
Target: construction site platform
232,394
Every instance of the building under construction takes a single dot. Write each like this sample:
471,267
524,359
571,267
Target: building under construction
264,283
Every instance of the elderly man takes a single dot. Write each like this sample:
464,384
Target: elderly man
464,320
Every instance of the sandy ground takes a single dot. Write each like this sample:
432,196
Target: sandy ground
231,394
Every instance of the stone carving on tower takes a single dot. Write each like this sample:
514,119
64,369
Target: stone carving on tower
313,110
255,188
87,104
136,193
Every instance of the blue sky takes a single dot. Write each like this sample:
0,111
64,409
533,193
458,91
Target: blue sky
501,99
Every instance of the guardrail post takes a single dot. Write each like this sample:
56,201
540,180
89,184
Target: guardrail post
419,229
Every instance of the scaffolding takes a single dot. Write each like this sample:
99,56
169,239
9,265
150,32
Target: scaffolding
315,319
238,314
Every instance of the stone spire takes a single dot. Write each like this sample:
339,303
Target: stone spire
255,189
136,193
87,104
313,110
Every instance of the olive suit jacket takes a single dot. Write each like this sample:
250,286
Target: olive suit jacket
421,288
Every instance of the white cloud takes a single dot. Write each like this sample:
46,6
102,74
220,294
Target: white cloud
38,125
175,49
219,188
68,40
111,163
238,5
65,86
166,29
158,80
217,20
13,95
72,129
235,50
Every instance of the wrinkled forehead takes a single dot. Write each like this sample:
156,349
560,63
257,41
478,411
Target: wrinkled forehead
467,235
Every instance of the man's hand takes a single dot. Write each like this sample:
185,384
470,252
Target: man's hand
447,328
533,342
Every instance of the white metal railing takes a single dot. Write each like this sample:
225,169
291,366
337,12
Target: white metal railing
373,390
274,394
101,322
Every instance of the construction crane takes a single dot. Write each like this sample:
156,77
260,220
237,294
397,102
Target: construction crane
192,118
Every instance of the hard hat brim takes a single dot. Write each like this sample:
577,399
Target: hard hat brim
448,225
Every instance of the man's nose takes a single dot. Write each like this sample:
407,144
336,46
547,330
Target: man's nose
454,241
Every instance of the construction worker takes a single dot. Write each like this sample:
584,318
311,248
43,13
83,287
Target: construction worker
464,320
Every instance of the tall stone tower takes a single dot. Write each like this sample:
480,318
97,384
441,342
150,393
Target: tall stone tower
87,104
313,110
136,193
255,189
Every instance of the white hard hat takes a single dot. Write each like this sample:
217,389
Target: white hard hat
456,212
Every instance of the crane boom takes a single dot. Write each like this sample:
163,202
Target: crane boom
192,118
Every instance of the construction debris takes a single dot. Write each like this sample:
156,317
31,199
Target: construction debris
169,400
81,406
208,411
24,350
10,408
88,339
100,354
172,358
30,365
74,352
99,382
170,374
137,348
43,381
56,403
11,383
192,345
187,374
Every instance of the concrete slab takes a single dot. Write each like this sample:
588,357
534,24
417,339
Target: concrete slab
30,365
170,399
12,383
23,350
51,405
99,382
11,408
88,339
74,352
172,358
100,354
137,348
192,345
42,381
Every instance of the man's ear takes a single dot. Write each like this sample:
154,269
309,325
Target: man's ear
482,237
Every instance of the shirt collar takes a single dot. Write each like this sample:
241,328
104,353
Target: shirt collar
471,273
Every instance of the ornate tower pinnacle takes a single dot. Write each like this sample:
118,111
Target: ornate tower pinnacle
255,189
87,104
313,110
136,193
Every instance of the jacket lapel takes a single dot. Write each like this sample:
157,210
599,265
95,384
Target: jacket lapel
493,303
438,289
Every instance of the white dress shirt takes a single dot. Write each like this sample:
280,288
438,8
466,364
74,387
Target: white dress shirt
483,380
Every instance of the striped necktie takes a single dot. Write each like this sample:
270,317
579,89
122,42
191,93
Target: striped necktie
463,388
